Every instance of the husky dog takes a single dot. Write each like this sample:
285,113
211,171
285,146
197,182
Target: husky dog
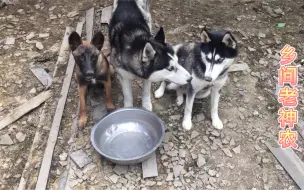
208,62
136,53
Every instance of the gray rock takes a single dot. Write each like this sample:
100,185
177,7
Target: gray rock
114,178
80,158
177,170
200,160
212,173
237,150
182,153
200,117
20,136
175,117
232,142
39,45
215,133
120,169
6,140
227,152
169,177
63,156
278,11
43,35
33,91
9,41
150,183
194,134
72,14
30,36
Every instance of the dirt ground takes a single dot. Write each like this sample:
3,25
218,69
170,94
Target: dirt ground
247,107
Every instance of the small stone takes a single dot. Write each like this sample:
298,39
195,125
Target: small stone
232,142
200,117
200,161
194,156
169,177
80,158
177,170
30,36
215,133
120,169
9,41
251,49
6,140
261,35
150,183
73,183
227,152
72,14
278,11
43,35
265,160
175,117
20,136
212,173
255,112
114,178
39,45
242,109
237,150
182,153
194,134
278,167
63,156
33,91
63,163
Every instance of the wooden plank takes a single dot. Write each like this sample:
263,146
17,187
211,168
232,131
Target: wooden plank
48,154
149,167
301,128
89,23
64,51
106,15
291,162
25,108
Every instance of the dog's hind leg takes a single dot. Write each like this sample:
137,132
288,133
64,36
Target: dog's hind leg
126,85
187,123
146,95
83,108
161,90
179,96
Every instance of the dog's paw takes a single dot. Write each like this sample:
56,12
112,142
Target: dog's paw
187,125
217,123
82,122
158,93
147,106
179,100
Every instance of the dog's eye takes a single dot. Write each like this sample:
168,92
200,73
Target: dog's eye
221,60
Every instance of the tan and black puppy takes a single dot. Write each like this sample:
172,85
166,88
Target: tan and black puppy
92,67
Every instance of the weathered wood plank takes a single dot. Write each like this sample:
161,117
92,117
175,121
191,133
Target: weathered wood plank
48,154
25,108
89,23
106,15
149,167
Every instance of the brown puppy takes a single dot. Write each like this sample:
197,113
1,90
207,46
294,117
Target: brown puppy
92,66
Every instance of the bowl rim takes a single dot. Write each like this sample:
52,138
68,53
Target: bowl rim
137,157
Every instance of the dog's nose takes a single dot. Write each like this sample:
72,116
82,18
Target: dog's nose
208,79
89,73
189,80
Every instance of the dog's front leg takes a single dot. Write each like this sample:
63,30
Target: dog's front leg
187,123
108,89
83,108
146,95
215,97
126,85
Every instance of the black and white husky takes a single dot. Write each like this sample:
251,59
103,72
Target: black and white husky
136,53
208,62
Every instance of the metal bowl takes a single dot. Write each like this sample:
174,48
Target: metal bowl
128,135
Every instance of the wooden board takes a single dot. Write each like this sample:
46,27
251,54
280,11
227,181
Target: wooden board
291,162
89,23
149,167
25,108
238,67
48,154
106,15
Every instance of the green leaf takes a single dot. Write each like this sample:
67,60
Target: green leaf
281,25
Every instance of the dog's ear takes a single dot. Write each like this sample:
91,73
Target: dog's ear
74,40
205,36
148,52
160,36
98,40
229,40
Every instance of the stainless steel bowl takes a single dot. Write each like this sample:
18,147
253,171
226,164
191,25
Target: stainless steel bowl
128,135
